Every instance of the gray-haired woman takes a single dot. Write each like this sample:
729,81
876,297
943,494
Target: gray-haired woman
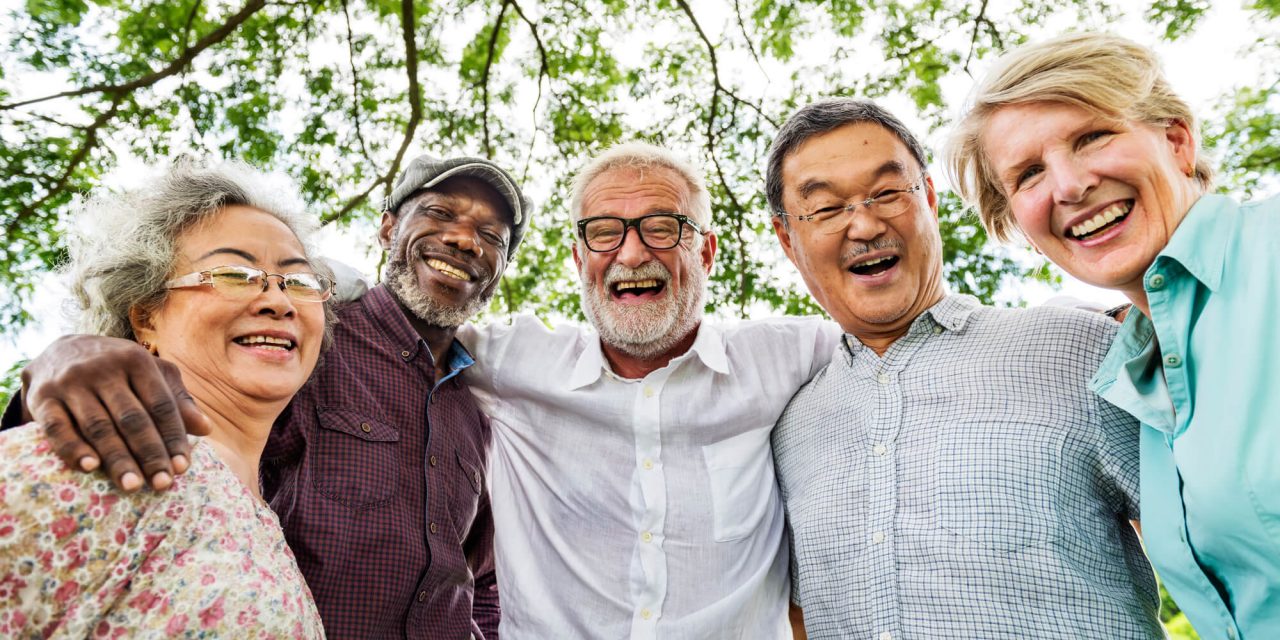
205,268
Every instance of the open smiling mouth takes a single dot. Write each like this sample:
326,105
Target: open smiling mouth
448,270
636,288
1102,222
266,342
874,267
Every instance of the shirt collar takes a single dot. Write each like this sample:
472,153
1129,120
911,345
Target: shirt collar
389,317
951,313
708,346
1199,243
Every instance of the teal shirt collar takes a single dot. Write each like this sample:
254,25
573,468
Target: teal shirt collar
1199,243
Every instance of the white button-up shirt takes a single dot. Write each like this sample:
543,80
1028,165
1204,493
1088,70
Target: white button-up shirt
640,508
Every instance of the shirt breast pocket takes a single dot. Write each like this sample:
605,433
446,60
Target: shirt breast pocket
743,489
998,483
353,460
468,483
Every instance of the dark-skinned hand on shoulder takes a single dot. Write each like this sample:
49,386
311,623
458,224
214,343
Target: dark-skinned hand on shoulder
109,403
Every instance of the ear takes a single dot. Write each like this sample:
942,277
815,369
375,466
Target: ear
387,229
577,259
143,329
931,194
784,237
708,251
1183,145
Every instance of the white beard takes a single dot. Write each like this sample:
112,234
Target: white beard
647,330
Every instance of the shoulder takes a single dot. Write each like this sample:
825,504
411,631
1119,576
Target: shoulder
789,332
1046,331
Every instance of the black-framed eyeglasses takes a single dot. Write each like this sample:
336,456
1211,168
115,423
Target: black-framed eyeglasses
657,230
242,283
887,203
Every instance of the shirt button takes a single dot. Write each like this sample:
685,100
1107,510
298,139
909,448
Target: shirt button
477,477
1173,361
880,449
646,536
404,354
886,636
422,595
877,537
937,330
1156,282
364,426
648,465
1231,632
434,460
883,378
1182,535
646,614
434,528
648,392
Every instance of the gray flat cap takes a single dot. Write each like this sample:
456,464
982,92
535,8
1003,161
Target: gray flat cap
427,171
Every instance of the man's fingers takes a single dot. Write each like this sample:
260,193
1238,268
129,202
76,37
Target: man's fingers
99,430
134,424
67,443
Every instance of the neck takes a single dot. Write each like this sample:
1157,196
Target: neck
1138,296
879,338
632,367
438,339
239,434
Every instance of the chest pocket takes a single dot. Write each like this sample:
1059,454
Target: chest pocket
998,483
467,484
353,460
743,489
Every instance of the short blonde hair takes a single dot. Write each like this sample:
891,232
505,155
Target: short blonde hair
1106,74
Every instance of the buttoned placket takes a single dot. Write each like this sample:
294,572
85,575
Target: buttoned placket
882,463
1161,288
651,592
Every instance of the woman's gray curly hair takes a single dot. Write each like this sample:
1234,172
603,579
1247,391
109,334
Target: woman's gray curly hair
123,247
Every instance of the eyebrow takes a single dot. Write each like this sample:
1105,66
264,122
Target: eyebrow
890,167
287,262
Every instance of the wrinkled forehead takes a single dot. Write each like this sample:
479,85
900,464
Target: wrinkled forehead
635,191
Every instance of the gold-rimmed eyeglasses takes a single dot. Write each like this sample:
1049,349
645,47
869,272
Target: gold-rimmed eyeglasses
245,282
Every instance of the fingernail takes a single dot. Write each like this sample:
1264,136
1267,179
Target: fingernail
180,463
88,463
130,481
161,481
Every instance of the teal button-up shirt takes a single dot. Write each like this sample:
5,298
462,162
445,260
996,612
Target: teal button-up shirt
1203,376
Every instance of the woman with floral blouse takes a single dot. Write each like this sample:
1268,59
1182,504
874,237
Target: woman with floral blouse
206,269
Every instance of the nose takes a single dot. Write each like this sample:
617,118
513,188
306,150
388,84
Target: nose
864,226
273,301
462,236
633,251
1071,180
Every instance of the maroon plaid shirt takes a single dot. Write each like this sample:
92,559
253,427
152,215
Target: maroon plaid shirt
377,473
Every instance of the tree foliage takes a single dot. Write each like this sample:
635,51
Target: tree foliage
340,93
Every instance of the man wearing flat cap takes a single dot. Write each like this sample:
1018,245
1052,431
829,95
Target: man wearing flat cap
377,468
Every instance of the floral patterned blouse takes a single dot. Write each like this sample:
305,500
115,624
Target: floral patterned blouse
79,559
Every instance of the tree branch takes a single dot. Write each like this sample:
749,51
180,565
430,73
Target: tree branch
81,154
355,85
973,40
715,160
188,55
407,23
484,78
737,10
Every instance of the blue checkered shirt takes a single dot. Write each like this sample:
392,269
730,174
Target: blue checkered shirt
967,485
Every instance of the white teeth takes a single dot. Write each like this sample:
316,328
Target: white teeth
873,262
266,342
1103,218
448,269
636,284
